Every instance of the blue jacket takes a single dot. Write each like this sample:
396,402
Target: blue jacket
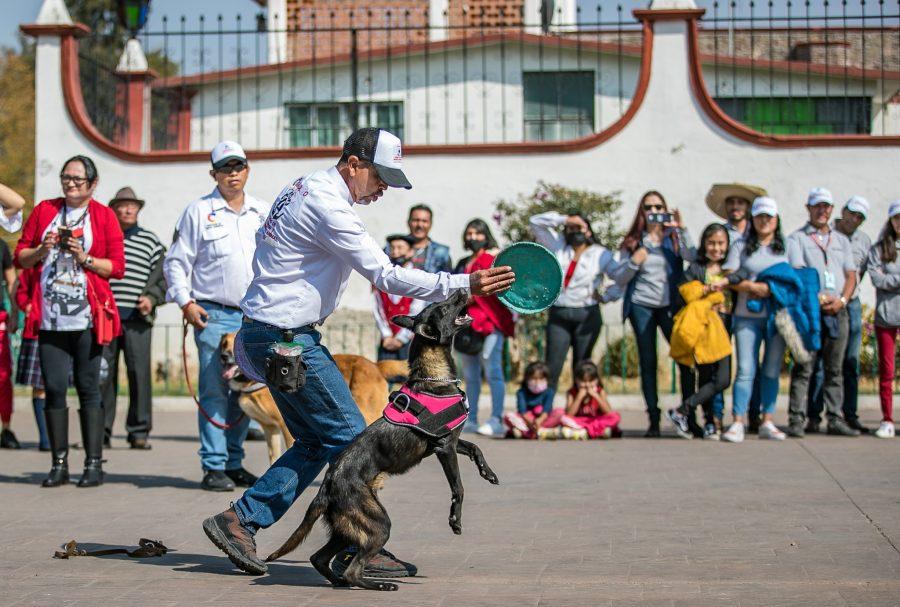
796,290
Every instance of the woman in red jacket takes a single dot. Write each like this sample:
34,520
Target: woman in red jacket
492,321
70,248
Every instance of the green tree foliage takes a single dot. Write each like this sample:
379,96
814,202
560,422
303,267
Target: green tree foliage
600,209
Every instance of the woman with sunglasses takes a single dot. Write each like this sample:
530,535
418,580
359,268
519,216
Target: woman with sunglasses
652,257
70,247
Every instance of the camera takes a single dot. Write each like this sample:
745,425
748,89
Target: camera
659,217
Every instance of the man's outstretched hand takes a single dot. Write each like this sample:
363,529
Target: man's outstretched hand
491,281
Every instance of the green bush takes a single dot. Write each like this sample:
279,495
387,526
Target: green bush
611,362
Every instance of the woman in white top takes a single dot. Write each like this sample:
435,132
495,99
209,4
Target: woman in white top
574,320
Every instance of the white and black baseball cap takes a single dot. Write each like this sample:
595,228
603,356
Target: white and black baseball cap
383,150
226,151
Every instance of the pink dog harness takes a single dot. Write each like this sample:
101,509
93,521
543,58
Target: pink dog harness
434,416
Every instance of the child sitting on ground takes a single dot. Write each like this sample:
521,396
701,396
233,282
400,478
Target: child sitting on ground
534,416
588,412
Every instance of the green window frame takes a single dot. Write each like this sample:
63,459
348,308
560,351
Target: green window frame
329,124
801,115
558,106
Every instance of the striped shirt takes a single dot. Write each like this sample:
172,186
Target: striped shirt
143,251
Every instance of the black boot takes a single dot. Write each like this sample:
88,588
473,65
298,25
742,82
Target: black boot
653,430
58,434
38,405
92,436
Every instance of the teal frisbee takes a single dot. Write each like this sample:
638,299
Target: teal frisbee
538,277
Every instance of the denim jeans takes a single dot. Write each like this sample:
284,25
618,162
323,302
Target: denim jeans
645,321
816,399
749,334
493,372
219,449
322,416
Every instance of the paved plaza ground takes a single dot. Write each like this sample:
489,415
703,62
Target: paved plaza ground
627,522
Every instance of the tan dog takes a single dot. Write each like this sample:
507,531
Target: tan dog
368,384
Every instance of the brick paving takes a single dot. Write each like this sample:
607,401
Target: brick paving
628,522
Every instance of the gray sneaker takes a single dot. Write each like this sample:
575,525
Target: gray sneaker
839,427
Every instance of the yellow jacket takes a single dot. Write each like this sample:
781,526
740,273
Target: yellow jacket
699,336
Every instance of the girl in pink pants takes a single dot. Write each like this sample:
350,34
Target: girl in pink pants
588,412
884,270
535,416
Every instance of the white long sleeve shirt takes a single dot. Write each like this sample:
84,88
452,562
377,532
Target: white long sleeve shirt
11,224
307,248
211,257
595,262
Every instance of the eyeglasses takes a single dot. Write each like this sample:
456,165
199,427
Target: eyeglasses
228,168
654,207
79,181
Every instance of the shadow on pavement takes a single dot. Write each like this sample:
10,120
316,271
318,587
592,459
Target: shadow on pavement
141,481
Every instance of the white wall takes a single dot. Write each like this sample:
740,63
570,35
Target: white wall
670,145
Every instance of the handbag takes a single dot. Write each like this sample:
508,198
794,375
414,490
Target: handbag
468,341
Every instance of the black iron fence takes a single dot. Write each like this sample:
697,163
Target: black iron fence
802,67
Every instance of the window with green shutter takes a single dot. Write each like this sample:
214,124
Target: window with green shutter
801,116
320,125
558,105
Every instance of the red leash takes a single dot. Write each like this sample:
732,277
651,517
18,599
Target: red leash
187,378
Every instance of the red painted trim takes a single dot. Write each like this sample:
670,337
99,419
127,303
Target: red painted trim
36,30
745,133
130,106
669,14
75,105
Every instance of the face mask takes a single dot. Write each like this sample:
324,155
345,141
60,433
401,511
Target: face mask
475,245
398,261
576,239
536,386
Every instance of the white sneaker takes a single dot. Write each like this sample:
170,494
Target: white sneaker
885,430
770,431
492,427
574,434
734,434
470,427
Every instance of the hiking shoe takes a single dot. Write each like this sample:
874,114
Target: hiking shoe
216,480
384,564
710,432
8,440
839,427
241,477
231,537
795,430
769,431
680,423
885,430
735,433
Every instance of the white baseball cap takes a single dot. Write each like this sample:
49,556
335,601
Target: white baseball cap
226,151
763,205
818,196
894,209
383,150
858,204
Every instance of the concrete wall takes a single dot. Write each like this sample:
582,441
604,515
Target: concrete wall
670,145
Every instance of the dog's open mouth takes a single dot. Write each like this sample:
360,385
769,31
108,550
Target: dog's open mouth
462,321
230,371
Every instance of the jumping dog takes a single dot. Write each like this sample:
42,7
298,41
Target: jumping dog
348,496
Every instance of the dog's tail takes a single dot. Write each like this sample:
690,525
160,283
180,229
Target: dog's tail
313,513
394,371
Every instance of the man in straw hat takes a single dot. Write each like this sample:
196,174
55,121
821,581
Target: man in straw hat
731,202
137,294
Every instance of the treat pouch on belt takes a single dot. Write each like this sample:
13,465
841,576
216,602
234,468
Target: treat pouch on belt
433,416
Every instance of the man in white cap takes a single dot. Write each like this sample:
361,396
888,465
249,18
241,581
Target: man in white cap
208,270
310,243
816,245
855,212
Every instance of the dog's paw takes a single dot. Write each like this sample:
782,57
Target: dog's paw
490,477
455,525
386,586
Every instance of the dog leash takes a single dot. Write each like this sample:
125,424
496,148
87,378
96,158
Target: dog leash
147,548
187,379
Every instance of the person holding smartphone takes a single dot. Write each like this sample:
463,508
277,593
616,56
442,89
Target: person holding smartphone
70,247
651,266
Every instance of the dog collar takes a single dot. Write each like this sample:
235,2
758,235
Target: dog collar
434,416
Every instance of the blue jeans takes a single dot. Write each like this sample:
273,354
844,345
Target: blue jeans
322,416
816,399
749,334
219,449
493,372
645,321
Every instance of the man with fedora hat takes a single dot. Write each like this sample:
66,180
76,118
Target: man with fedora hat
137,294
732,202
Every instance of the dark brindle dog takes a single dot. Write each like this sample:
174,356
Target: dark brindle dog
348,496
